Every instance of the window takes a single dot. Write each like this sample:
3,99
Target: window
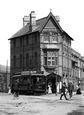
14,61
14,43
30,62
54,37
27,59
36,60
35,37
21,60
20,41
50,58
46,36
27,40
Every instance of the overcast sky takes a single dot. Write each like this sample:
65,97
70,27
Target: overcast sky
71,13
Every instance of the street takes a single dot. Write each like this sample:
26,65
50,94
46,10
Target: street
41,105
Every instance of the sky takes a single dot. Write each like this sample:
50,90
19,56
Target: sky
71,13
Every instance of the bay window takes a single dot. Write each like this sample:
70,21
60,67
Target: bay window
50,58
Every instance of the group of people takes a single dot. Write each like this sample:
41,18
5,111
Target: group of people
64,90
69,89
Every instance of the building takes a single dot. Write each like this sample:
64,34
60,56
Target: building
4,78
42,45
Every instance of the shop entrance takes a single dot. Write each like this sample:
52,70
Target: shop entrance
51,80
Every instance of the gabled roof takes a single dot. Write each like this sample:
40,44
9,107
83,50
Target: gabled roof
67,35
40,24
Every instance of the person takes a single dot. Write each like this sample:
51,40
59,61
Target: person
70,89
78,90
49,89
9,89
16,88
63,90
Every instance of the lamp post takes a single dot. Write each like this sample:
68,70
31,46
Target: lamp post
57,66
56,81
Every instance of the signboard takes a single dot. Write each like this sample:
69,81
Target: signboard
31,72
25,72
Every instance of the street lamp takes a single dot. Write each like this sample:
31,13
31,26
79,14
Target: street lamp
56,82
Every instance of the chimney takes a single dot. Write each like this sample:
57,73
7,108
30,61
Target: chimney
26,20
32,21
57,18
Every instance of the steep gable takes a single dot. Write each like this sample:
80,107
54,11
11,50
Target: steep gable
50,24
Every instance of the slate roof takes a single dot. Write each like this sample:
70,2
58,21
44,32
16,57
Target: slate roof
40,24
25,30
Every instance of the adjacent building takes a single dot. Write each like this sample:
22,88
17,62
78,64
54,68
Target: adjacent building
42,45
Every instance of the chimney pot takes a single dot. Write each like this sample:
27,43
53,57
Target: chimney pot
32,20
26,20
57,18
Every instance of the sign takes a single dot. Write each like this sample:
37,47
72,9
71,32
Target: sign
25,72
31,72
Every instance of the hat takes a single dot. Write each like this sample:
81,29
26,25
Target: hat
64,83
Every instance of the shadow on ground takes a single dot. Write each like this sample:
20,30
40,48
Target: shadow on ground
76,112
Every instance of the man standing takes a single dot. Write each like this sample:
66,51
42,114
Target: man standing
16,88
63,91
70,89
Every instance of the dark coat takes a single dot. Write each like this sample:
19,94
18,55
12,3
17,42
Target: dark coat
70,87
16,86
63,89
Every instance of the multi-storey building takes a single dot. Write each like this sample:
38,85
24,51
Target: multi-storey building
42,45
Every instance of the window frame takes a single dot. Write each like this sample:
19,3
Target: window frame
49,59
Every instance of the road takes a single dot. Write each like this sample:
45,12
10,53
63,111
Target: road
41,105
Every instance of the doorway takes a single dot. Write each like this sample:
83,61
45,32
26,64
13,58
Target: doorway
51,80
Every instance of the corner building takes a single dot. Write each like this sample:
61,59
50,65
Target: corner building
42,45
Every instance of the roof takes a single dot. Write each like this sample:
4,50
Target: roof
67,35
25,29
40,24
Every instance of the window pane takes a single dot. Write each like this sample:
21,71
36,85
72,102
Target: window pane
53,62
27,40
49,62
49,54
45,60
56,60
53,54
54,36
53,58
45,53
46,38
49,58
36,60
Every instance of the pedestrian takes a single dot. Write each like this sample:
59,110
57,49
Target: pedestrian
16,89
9,89
49,89
70,89
63,91
78,90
